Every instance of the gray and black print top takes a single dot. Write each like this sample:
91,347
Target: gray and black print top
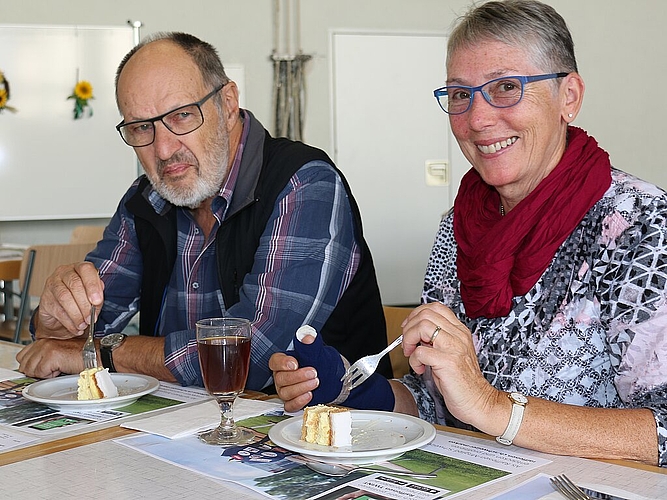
593,330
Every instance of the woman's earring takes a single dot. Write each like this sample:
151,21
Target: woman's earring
569,115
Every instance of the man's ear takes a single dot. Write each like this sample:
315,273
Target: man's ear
230,103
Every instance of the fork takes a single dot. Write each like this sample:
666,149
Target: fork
89,353
364,367
568,489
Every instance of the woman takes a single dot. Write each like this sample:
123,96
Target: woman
547,280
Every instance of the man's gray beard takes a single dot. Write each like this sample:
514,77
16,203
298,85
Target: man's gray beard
206,186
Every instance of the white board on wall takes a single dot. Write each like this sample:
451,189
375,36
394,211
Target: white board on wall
52,166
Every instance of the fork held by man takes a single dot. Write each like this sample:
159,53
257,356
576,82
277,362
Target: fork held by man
375,394
364,367
89,353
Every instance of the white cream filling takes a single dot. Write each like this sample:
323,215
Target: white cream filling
341,429
106,385
492,148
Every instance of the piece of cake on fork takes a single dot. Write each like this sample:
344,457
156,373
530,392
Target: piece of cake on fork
95,383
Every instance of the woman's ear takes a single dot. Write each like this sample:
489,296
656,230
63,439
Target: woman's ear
572,90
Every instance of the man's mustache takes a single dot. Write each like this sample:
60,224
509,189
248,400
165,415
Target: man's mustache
177,158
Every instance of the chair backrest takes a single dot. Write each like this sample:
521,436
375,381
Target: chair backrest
394,316
86,234
39,262
10,268
46,259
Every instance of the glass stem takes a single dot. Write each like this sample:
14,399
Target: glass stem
227,424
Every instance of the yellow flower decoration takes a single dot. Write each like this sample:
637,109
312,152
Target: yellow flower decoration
83,92
4,94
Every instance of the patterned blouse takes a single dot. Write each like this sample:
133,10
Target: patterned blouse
593,330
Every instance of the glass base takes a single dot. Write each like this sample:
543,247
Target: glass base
227,437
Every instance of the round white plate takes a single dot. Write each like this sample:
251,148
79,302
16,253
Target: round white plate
60,393
377,436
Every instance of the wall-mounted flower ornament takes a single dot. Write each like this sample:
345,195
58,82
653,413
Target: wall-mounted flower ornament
83,92
4,94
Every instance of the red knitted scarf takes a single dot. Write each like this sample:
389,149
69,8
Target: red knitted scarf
503,257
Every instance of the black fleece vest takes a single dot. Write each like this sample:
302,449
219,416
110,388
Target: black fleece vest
356,326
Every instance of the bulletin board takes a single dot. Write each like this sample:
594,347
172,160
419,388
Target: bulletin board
53,166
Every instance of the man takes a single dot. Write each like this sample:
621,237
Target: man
226,221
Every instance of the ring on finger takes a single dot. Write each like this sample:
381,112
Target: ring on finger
435,334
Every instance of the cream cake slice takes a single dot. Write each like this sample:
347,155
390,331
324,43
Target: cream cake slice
327,426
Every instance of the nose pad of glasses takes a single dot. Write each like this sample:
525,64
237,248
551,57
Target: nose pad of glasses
486,96
164,140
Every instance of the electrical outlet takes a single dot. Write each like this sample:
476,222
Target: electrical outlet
437,173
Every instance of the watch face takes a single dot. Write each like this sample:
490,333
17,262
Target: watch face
519,398
112,339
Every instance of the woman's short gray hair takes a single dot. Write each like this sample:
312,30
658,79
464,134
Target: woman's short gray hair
522,23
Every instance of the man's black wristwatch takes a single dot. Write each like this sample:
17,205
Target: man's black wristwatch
107,346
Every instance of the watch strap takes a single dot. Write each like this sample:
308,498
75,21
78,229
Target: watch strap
107,359
516,417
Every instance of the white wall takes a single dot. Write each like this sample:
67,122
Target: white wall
619,46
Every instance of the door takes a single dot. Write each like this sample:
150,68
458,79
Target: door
387,128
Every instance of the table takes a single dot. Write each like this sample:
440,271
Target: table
115,471
56,469
8,352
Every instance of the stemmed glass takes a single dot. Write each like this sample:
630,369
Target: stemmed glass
224,357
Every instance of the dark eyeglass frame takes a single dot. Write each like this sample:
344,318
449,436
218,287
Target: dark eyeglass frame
444,91
160,118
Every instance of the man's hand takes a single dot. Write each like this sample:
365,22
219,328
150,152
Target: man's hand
64,306
47,358
293,384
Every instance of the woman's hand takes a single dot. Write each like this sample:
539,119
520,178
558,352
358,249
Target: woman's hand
451,356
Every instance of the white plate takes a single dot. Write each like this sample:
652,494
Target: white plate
60,393
377,436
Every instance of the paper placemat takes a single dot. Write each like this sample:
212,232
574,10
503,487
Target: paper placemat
196,418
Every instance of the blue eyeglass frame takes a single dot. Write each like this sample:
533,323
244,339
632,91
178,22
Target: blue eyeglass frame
444,91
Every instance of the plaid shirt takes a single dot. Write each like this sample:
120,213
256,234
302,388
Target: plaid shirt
306,258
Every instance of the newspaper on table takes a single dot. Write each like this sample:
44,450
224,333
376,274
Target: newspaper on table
459,464
23,421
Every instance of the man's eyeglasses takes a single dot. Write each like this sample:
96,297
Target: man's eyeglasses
500,93
179,121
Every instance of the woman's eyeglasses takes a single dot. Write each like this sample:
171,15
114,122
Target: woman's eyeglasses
501,92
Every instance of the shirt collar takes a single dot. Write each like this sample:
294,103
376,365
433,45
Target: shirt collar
227,188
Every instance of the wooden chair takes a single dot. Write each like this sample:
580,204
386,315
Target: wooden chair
10,270
394,316
39,262
86,234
